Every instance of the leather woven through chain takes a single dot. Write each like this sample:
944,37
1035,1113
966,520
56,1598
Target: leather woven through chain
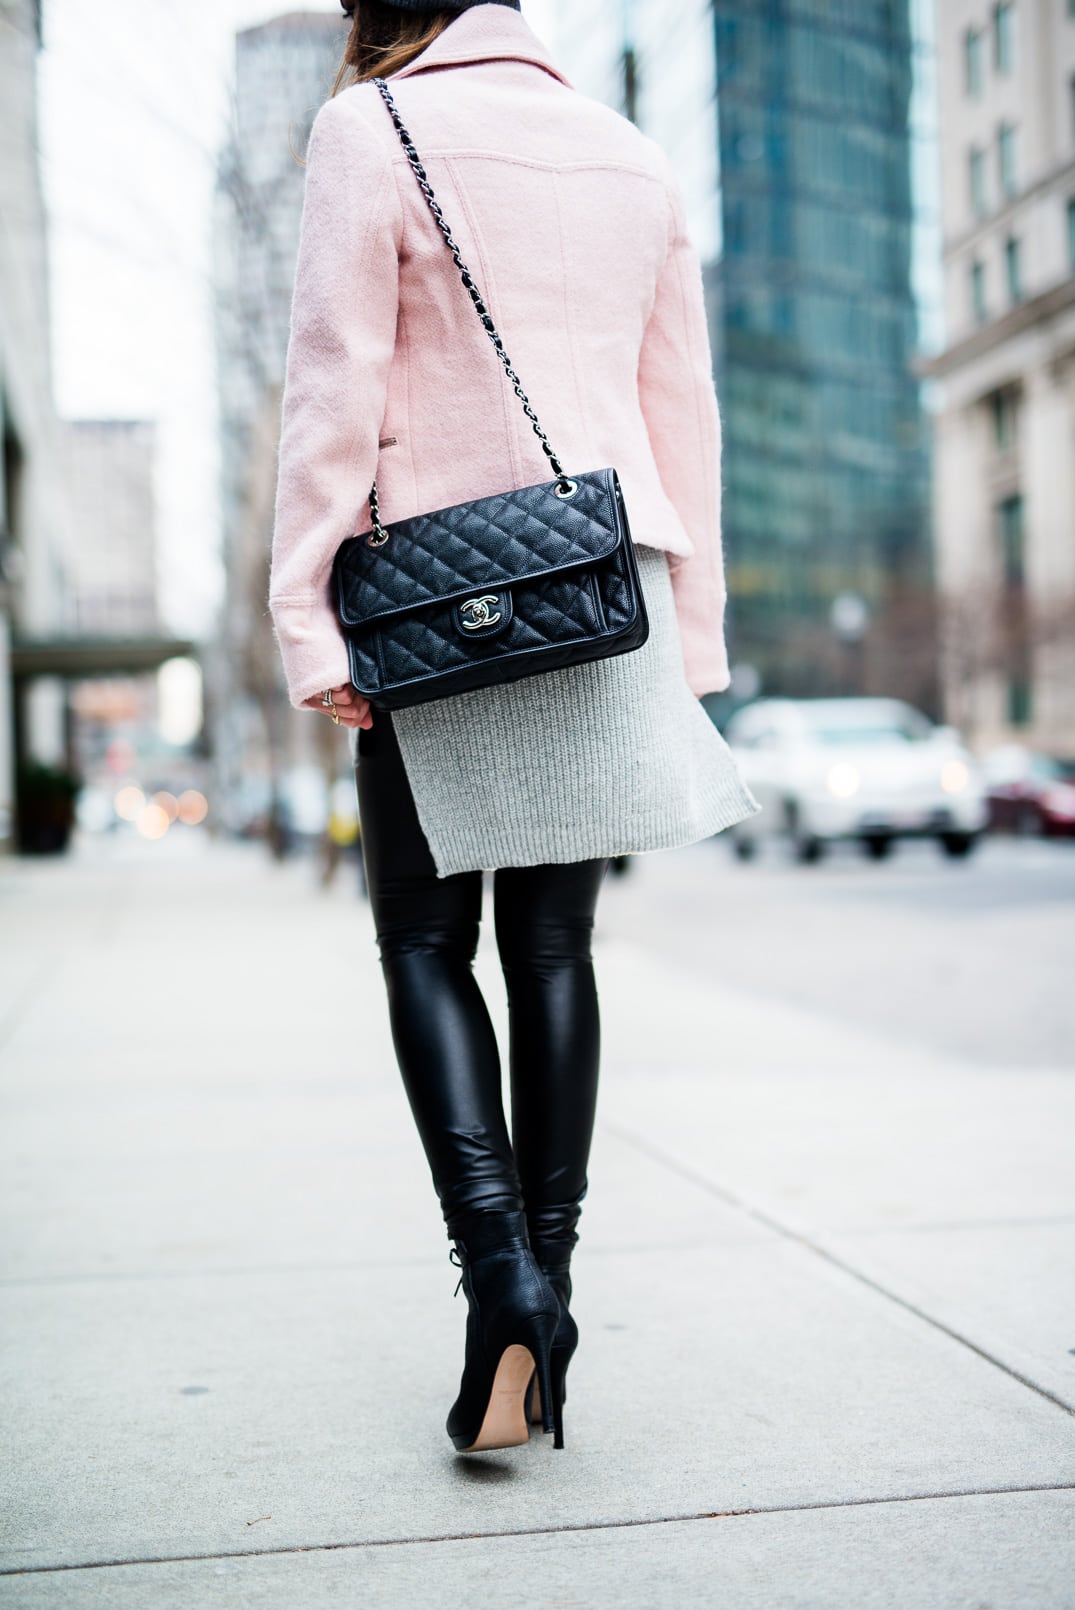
569,566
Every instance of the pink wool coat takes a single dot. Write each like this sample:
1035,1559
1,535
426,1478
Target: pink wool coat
573,226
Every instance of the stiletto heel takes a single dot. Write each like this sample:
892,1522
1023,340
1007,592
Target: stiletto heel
513,1313
537,1396
557,1388
543,1373
563,1350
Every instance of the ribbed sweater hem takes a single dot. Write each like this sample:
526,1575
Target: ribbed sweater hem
614,757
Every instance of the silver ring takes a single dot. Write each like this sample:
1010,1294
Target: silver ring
327,701
569,486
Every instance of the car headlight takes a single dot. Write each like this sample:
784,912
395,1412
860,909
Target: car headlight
954,777
843,780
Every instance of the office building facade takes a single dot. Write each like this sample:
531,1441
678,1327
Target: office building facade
1005,441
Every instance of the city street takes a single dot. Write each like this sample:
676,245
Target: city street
824,1282
968,957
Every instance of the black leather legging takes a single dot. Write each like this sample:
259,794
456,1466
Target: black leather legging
427,935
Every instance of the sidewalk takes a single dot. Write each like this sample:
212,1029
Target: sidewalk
824,1286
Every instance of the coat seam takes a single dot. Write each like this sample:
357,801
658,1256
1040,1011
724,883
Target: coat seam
584,413
354,440
354,436
487,286
402,347
600,165
711,548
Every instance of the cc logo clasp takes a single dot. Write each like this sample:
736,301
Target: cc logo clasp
479,612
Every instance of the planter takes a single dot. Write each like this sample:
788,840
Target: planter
44,808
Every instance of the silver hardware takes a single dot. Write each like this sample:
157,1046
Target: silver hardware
378,536
478,609
566,488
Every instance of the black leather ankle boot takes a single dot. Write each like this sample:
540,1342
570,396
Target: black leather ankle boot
512,1319
554,1260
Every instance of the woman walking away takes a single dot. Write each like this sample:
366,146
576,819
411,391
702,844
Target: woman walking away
569,227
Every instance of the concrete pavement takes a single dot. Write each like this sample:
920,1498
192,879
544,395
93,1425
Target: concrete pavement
824,1284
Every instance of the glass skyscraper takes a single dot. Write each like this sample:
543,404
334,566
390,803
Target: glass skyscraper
816,328
808,251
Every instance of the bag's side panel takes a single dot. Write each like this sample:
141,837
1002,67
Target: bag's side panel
365,667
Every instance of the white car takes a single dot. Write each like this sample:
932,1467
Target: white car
869,769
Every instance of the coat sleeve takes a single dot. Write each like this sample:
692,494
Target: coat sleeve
342,337
680,408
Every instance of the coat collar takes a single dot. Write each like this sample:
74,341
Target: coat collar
484,33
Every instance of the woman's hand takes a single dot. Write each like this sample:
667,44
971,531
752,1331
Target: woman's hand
352,709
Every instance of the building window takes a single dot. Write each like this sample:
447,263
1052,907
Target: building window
977,291
1071,234
976,180
1019,700
1010,521
1003,36
1012,271
972,61
1002,410
1007,159
1015,623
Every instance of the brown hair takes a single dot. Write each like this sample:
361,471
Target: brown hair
383,39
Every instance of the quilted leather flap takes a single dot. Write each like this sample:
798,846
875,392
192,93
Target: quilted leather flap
490,543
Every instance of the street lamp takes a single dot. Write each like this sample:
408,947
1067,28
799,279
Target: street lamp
849,617
629,63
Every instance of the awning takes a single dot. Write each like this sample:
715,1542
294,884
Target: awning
94,656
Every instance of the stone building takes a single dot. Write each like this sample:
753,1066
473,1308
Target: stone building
34,595
1005,441
112,557
284,71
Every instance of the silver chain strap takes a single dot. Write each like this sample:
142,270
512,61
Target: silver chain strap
565,487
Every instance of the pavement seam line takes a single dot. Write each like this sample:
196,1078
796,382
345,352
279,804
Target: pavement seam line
802,1239
96,1277
50,966
946,1226
20,1007
534,1531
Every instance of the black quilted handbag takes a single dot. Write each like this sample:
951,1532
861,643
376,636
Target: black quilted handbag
493,590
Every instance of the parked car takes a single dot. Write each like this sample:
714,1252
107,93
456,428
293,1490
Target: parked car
1028,792
875,770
